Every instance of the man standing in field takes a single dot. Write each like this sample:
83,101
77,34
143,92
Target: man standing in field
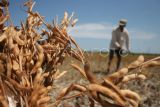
119,43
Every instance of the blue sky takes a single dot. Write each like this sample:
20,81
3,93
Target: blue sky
97,18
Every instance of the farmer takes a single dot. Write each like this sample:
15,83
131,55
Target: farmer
119,43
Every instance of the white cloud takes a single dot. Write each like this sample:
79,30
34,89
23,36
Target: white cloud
103,31
142,35
93,26
92,30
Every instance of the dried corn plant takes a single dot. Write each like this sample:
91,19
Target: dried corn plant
28,62
109,92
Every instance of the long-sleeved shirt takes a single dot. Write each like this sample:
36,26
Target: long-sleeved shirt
120,39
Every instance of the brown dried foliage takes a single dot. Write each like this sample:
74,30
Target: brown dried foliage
28,65
28,62
111,86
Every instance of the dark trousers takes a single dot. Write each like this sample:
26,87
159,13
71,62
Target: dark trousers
118,53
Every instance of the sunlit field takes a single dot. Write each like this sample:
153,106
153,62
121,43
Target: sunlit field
149,89
42,64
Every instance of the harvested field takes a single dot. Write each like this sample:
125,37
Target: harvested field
148,89
41,65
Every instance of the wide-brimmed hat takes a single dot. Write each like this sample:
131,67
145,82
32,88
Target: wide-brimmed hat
122,22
